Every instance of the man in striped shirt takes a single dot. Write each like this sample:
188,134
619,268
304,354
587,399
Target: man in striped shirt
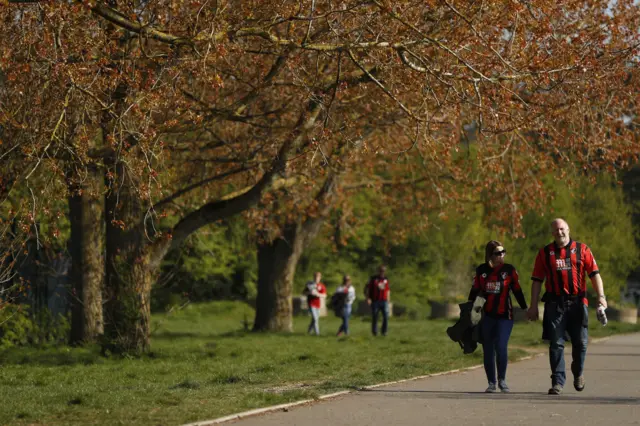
562,266
377,292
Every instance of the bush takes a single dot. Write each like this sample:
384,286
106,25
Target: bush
218,262
21,327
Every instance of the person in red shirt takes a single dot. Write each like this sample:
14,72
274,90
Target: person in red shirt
377,292
315,290
493,282
562,266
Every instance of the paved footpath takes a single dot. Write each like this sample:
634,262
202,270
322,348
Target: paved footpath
611,397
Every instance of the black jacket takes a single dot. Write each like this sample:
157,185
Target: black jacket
463,332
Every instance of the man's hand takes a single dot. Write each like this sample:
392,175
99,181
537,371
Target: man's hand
602,302
368,301
532,313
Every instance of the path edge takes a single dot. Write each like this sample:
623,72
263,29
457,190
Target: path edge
285,407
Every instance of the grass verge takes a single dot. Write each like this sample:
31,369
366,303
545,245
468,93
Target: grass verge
204,365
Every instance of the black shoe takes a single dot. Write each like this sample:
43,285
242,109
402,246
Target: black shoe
578,383
555,390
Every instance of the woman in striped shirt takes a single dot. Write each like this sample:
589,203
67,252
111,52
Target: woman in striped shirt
493,283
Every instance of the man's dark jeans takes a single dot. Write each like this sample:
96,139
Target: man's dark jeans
566,318
379,306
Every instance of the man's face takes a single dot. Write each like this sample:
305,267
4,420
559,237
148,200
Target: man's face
382,271
318,277
560,232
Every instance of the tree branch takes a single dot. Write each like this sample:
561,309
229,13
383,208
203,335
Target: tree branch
120,20
224,208
198,184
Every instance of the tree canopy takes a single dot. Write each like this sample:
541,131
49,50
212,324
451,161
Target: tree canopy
196,111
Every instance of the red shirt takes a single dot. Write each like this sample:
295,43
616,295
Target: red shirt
495,284
377,289
563,269
314,301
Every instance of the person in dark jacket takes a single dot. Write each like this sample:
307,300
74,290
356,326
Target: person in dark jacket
494,281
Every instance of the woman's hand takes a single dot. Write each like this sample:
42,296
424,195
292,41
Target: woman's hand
532,313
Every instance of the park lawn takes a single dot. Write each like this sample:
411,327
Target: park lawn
204,365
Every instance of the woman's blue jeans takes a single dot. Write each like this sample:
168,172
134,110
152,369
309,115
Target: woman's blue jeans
314,325
346,314
495,337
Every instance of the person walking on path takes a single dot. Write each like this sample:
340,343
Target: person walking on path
377,292
492,284
315,290
347,294
562,266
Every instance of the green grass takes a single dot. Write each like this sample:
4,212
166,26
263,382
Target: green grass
204,365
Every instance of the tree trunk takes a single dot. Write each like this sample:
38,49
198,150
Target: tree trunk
128,275
86,211
277,261
132,264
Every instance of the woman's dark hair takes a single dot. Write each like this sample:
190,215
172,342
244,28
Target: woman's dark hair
489,249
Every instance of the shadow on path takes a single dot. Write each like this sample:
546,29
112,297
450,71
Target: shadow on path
610,354
512,396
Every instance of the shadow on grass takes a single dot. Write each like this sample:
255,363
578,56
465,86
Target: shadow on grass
57,356
170,335
51,356
234,334
296,334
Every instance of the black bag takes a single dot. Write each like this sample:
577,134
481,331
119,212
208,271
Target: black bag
338,301
309,288
464,332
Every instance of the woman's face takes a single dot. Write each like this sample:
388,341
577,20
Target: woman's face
497,258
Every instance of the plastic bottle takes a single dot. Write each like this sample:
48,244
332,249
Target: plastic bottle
602,316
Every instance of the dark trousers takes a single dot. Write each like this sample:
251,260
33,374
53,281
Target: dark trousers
376,307
566,318
495,336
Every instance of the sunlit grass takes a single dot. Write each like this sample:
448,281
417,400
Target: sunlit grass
204,365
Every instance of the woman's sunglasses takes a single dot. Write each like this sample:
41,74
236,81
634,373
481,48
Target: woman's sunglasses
499,253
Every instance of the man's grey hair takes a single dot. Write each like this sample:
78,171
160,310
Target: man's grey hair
559,219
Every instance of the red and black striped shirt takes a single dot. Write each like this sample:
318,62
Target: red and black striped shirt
495,284
563,269
377,289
